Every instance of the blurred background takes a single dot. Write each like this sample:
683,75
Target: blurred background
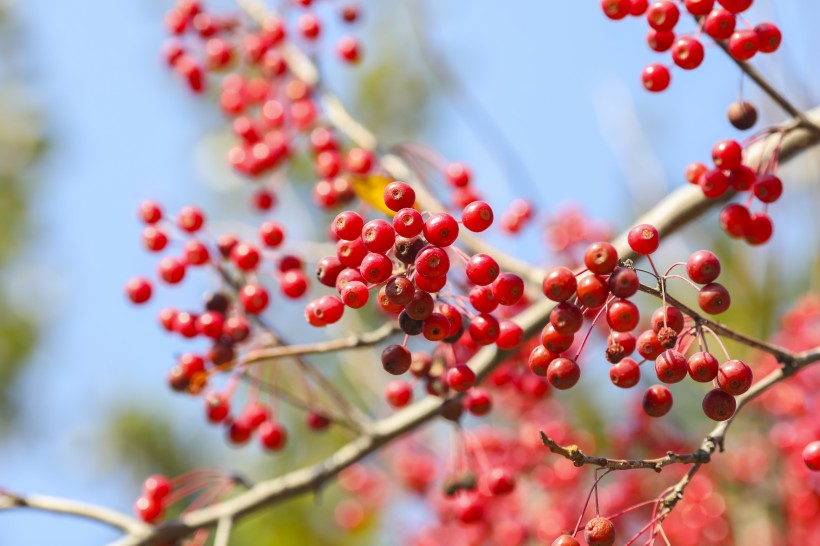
542,99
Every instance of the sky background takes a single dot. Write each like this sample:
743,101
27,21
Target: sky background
560,80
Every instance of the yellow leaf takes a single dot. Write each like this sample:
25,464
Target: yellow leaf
370,189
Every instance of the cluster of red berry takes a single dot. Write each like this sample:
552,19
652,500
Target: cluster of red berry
688,52
604,289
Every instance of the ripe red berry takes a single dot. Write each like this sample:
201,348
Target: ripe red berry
769,37
376,268
667,316
156,487
768,188
714,298
554,342
563,373
601,258
660,41
253,298
592,291
398,393
759,229
482,269
138,289
694,172
719,24
171,270
477,216
154,239
398,195
699,7
735,377
327,270
150,212
559,284
190,219
510,335
687,53
727,155
622,315
624,282
348,225
378,236
638,7
217,407
441,229
349,49
508,288
616,9
703,267
458,174
482,299
671,366
460,378
735,220
648,345
811,456
599,532
625,374
736,6
293,283
742,178
272,435
148,509
484,329
309,26
643,239
663,15
565,540
316,421
657,401
719,405
714,183
408,222
566,318
655,77
703,367
743,44
432,262
359,160
245,256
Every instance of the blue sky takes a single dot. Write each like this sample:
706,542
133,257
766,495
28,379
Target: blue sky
559,79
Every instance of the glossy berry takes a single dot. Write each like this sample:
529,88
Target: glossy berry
458,174
703,267
559,284
477,216
660,41
615,9
643,239
482,269
727,154
592,291
735,220
156,487
245,256
719,24
563,373
348,225
663,15
376,268
743,44
293,283
668,316
735,377
154,239
699,7
171,270
441,229
399,195
625,374
150,212
396,359
253,298
378,236
148,509
657,401
714,298
408,222
601,258
759,229
811,456
742,178
349,49
138,289
702,367
718,405
508,288
768,36
655,77
354,294
694,171
624,282
648,345
566,318
460,378
190,219
671,366
768,188
599,532
484,329
510,335
622,315
687,53
565,540
554,342
638,7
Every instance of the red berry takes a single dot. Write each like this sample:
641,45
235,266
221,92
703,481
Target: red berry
667,316
457,174
660,41
398,195
349,49
699,7
351,253
554,342
742,178
500,481
743,44
138,289
601,258
460,378
171,269
217,407
376,268
671,366
559,284
625,374
477,216
482,299
663,15
563,373
592,291
378,236
190,219
714,183
703,267
566,318
759,229
272,435
714,298
316,421
622,315
643,239
648,345
196,253
616,9
718,405
441,229
482,269
735,220
599,532
245,256
293,283
408,222
148,509
727,155
638,7
309,26
687,53
398,393
565,540
354,294
150,212
769,37
768,188
510,335
657,401
694,171
156,487
655,77
624,282
348,225
735,377
432,262
484,329
811,455
719,24
703,367
253,298
508,288
736,6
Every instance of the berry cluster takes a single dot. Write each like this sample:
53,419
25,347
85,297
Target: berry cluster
408,263
719,23
604,289
729,173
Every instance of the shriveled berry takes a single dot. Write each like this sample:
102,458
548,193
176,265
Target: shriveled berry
599,531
